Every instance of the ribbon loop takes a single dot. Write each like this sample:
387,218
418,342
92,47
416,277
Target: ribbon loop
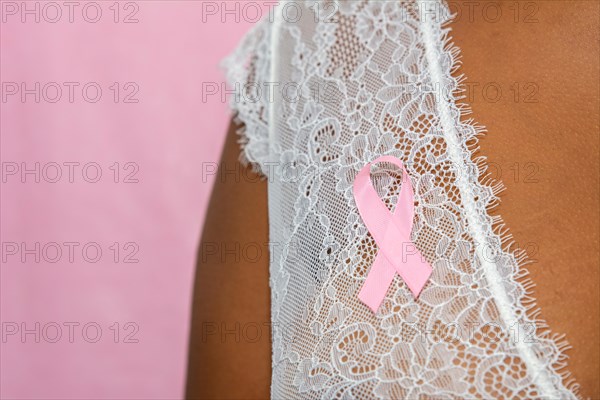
391,231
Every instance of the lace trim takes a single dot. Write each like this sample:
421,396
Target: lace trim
244,69
438,42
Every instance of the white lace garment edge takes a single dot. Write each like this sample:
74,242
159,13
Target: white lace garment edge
436,42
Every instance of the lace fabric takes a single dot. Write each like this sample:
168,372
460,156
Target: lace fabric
319,97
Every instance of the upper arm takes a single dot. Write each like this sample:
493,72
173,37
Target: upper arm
230,346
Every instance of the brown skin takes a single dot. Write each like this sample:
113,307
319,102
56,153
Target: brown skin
229,290
550,204
559,137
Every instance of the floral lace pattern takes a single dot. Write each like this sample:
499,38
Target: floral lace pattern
358,84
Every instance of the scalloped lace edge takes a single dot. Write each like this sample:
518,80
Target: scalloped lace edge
438,41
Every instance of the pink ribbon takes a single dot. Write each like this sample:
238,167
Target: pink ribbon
391,231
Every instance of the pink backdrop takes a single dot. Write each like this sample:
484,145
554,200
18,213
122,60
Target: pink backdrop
57,293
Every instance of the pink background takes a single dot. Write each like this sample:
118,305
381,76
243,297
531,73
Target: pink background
168,134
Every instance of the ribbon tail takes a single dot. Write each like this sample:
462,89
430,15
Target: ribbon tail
378,281
415,272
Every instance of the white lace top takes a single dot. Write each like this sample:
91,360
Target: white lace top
322,88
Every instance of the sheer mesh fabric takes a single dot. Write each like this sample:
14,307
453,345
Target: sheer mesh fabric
321,96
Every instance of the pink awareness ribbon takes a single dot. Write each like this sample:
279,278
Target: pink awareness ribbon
391,231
